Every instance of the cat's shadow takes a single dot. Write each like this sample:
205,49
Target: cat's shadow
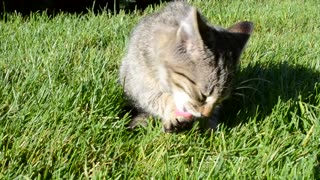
258,89
260,86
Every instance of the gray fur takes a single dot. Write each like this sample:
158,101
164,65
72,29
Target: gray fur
176,60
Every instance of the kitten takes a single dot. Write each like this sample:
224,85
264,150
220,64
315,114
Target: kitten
179,67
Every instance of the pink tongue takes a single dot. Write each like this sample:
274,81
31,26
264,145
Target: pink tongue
184,114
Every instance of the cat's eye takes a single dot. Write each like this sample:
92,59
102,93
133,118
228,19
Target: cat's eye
202,97
185,76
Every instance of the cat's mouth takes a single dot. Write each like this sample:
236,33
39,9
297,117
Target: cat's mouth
183,107
184,114
186,109
190,110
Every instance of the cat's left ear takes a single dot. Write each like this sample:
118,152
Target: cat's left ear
191,27
242,31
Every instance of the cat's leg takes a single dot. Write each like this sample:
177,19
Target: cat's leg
214,119
139,120
164,106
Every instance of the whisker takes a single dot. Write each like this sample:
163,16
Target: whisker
246,87
239,94
254,79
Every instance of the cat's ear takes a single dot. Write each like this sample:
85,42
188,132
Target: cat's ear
191,27
242,31
244,27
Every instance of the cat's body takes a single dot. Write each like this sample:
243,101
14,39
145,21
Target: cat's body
177,62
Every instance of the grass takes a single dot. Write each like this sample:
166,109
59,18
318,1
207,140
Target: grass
62,113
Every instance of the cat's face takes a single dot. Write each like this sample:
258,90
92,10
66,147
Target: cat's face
199,63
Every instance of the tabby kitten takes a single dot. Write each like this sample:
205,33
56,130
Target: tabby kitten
179,67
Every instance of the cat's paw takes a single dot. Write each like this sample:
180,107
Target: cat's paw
212,123
177,124
139,121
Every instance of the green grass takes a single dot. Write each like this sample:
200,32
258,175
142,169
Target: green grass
62,113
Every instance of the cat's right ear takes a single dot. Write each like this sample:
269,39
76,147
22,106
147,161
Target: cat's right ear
241,31
244,27
191,27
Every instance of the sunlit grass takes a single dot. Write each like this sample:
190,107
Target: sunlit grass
62,112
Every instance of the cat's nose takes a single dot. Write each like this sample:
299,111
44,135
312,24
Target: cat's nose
205,114
206,111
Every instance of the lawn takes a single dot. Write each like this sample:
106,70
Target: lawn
62,113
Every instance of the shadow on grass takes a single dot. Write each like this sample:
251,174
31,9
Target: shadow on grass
260,86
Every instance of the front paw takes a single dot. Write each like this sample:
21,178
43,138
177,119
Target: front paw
208,123
212,123
177,124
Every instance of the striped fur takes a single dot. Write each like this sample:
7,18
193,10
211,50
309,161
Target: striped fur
175,60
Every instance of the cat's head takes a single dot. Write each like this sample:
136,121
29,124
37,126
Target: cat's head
199,61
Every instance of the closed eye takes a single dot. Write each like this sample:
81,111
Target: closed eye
185,76
202,97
